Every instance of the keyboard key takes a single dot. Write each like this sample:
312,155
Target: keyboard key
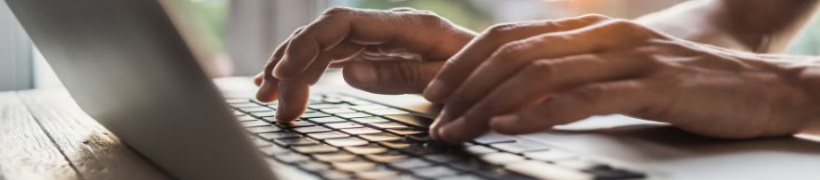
376,174
362,130
260,143
412,163
368,107
335,157
353,115
386,111
389,125
319,106
581,164
366,149
270,113
519,147
336,175
462,177
254,123
434,172
344,142
254,109
353,166
328,135
343,125
279,135
290,157
479,149
386,157
332,100
322,120
311,129
616,174
444,158
544,170
238,113
314,115
301,141
492,138
501,158
313,149
380,137
405,131
313,166
263,129
549,155
424,137
414,120
236,100
369,120
337,110
396,144
245,118
295,124
274,150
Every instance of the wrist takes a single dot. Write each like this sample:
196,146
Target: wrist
802,73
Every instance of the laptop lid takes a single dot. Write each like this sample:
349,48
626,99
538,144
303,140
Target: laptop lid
127,66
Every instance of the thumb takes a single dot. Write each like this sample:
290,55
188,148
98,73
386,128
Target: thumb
391,77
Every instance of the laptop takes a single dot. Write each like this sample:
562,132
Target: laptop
126,65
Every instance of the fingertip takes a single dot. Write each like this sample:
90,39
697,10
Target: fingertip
267,91
258,79
453,132
435,91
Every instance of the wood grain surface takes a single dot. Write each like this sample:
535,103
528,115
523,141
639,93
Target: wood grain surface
63,142
26,151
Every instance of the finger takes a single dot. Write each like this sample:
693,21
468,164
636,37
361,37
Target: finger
368,27
268,90
391,77
541,79
341,52
513,56
257,80
462,64
293,98
621,97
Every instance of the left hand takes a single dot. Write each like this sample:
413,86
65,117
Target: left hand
514,81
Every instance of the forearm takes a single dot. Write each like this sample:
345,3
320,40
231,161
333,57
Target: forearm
761,26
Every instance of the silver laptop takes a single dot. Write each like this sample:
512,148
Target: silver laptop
127,66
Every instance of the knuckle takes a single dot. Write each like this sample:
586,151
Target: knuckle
402,9
428,18
594,17
511,51
499,31
590,94
337,10
541,69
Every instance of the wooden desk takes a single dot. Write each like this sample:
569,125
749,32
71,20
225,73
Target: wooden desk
44,135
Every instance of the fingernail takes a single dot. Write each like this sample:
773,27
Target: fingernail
363,73
434,91
434,129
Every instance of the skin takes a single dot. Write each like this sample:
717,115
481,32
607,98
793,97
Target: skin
529,76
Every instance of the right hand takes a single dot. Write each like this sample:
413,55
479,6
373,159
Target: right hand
362,42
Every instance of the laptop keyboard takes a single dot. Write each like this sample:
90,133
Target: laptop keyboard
344,137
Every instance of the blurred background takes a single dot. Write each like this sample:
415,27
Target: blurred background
235,37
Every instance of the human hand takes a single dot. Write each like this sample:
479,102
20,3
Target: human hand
366,44
528,77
